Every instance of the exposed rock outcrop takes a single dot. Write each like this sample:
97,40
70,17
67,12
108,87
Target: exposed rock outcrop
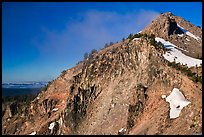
166,27
115,91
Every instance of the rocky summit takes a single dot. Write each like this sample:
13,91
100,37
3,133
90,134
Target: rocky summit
179,32
147,84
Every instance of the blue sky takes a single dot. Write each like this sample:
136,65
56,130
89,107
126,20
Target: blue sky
41,39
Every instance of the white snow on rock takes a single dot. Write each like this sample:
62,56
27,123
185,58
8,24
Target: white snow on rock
180,35
112,105
163,96
177,102
55,109
122,129
188,33
187,39
136,39
177,54
52,125
167,44
191,35
33,133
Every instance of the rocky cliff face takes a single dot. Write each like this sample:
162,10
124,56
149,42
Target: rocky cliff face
171,28
115,91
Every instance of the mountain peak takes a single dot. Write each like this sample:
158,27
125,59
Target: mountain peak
168,24
168,13
164,25
178,31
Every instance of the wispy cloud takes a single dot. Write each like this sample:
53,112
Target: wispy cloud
91,29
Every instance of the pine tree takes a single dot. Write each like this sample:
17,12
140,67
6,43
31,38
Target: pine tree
111,43
106,45
86,55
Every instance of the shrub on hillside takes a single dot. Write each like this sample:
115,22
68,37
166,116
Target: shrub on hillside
111,43
185,70
106,45
86,55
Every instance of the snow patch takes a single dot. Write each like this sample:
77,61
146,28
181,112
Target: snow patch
136,39
52,125
33,133
163,96
177,102
187,39
55,109
122,129
167,44
112,105
188,33
180,35
176,54
191,35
